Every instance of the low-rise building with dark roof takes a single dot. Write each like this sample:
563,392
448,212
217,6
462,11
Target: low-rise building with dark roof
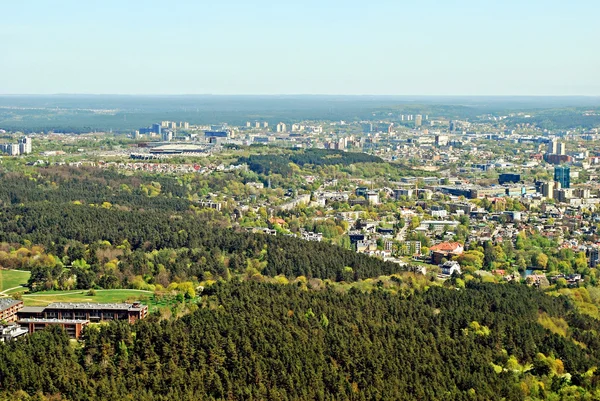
73,327
87,311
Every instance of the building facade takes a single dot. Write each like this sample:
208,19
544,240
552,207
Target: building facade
562,174
9,308
86,311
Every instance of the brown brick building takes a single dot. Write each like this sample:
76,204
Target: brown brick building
9,308
87,311
73,327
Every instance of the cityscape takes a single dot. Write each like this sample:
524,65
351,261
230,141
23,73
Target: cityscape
287,201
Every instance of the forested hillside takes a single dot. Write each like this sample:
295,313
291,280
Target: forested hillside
263,341
280,164
109,230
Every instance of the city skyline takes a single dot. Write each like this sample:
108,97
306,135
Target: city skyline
271,48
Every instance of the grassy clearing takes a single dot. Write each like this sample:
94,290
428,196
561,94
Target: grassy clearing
44,298
13,278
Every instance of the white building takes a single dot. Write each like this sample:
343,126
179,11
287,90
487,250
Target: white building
281,127
450,267
25,146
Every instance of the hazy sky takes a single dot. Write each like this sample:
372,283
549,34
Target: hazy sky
421,47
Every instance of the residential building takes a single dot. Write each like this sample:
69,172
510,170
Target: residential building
408,192
281,127
25,146
548,190
11,332
9,308
366,246
73,327
418,120
372,197
562,148
86,311
409,248
361,191
441,140
438,226
553,147
445,250
450,267
594,257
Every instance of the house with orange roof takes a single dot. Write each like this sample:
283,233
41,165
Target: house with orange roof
445,250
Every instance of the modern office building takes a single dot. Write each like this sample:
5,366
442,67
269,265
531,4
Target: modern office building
155,129
562,174
167,136
216,134
507,178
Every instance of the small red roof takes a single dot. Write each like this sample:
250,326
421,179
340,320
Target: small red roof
446,247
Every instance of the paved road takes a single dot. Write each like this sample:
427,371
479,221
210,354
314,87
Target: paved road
4,293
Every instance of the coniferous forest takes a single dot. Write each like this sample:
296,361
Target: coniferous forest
264,341
313,334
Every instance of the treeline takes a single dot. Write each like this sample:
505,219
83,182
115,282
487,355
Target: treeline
92,186
280,164
277,342
116,245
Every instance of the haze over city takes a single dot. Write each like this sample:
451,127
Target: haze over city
455,47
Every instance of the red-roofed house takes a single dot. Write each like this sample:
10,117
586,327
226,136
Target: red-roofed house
445,250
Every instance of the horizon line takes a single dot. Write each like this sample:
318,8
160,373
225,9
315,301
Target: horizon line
292,94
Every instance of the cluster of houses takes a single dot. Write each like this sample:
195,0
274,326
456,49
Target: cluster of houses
19,320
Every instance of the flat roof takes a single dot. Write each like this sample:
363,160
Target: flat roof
53,321
90,305
32,309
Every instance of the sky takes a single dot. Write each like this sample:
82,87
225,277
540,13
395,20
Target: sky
350,47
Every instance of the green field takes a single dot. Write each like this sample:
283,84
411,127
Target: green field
13,278
43,298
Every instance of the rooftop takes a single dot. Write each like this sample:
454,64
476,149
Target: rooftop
32,309
446,246
53,321
8,302
90,305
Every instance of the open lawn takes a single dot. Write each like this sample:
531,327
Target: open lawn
13,278
43,298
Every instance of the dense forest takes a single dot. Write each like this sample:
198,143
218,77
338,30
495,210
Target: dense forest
263,341
104,230
348,327
280,164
